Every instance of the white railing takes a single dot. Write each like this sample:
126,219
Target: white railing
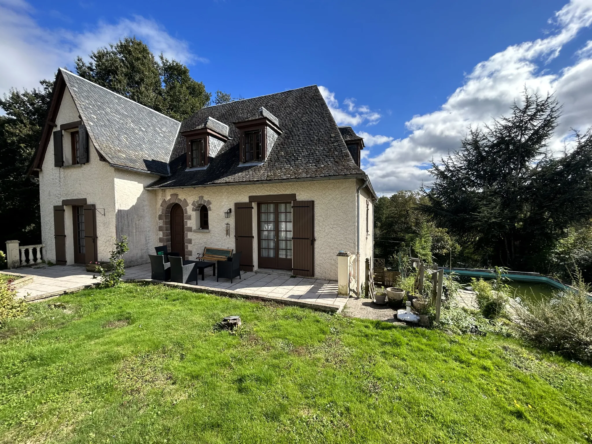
17,256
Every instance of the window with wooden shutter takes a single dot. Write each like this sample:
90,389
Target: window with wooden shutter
58,149
74,143
243,234
90,233
82,145
253,146
197,153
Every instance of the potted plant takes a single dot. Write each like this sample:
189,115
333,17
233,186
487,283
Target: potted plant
379,296
395,296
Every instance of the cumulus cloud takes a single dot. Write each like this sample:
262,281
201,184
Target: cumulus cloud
29,52
352,115
488,92
370,140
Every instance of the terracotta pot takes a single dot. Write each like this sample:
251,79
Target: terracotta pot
380,299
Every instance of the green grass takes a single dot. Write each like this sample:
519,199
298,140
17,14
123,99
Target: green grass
7,277
141,364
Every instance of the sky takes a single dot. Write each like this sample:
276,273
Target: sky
410,77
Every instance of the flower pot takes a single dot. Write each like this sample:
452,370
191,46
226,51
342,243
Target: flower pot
395,296
380,299
419,304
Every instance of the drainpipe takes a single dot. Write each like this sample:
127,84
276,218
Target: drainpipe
365,184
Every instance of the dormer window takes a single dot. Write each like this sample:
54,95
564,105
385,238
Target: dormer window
354,150
253,146
198,156
75,143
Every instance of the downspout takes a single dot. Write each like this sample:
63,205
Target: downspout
365,184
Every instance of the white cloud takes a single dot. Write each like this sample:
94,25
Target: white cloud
353,115
370,140
488,92
29,52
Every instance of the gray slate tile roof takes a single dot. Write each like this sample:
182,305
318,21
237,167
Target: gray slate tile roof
310,146
348,133
126,133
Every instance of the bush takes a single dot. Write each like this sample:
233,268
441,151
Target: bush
9,306
2,260
111,275
562,324
492,297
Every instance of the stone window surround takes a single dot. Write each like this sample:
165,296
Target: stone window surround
196,206
164,219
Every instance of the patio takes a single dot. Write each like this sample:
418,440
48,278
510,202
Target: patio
270,285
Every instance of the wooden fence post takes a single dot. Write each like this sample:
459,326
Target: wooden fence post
440,280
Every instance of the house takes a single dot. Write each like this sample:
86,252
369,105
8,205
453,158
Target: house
273,177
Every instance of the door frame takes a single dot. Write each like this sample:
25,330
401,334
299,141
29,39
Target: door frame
181,227
275,263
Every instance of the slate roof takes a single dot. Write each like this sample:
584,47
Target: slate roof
310,146
126,133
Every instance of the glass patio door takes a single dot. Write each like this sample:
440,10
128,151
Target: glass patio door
275,235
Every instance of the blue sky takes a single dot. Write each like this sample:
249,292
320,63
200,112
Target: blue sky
406,74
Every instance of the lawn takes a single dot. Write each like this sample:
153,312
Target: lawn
147,364
7,277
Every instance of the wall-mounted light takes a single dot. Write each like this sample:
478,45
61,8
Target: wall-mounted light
227,229
227,213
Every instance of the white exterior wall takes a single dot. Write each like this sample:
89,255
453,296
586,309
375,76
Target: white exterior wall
366,232
93,181
335,216
135,210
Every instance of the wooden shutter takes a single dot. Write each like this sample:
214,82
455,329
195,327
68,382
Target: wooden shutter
188,153
59,227
82,145
243,233
303,238
58,149
90,233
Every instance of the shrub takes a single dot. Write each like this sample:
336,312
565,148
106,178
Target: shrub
2,260
562,324
9,306
492,297
111,275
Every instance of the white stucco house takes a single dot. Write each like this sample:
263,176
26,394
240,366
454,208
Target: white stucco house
273,177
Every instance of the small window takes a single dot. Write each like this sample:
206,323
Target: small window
197,155
75,139
203,218
354,150
253,146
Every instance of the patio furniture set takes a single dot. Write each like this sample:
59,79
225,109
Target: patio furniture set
170,266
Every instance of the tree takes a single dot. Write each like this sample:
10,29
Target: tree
20,132
505,195
130,69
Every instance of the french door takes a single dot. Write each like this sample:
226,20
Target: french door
79,235
275,235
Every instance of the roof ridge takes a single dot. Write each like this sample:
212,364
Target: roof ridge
118,95
263,95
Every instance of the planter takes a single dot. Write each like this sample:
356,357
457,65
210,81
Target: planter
419,304
424,320
380,299
395,296
93,267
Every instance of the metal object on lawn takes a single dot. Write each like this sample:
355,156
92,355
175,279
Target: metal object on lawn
231,322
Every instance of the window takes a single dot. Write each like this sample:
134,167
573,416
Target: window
197,153
75,147
203,218
253,146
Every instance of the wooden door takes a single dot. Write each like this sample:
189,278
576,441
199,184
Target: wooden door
60,234
243,234
303,238
275,235
79,234
90,233
177,230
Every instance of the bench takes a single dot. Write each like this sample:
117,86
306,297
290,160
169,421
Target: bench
215,254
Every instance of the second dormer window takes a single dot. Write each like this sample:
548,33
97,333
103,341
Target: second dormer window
253,146
198,156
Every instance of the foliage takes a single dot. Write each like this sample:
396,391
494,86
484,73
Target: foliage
111,276
422,244
2,260
492,296
573,252
459,320
451,286
138,363
10,307
505,196
221,98
20,132
130,69
562,324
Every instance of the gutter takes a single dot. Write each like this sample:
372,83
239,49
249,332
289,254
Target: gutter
365,184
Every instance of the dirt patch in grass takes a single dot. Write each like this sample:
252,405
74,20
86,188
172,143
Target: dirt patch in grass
117,324
137,375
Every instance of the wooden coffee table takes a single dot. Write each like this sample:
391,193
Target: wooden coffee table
202,265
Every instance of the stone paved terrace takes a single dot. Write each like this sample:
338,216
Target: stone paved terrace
271,285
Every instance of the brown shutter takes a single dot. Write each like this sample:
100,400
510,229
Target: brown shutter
243,233
188,153
59,234
90,233
82,145
58,149
303,238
